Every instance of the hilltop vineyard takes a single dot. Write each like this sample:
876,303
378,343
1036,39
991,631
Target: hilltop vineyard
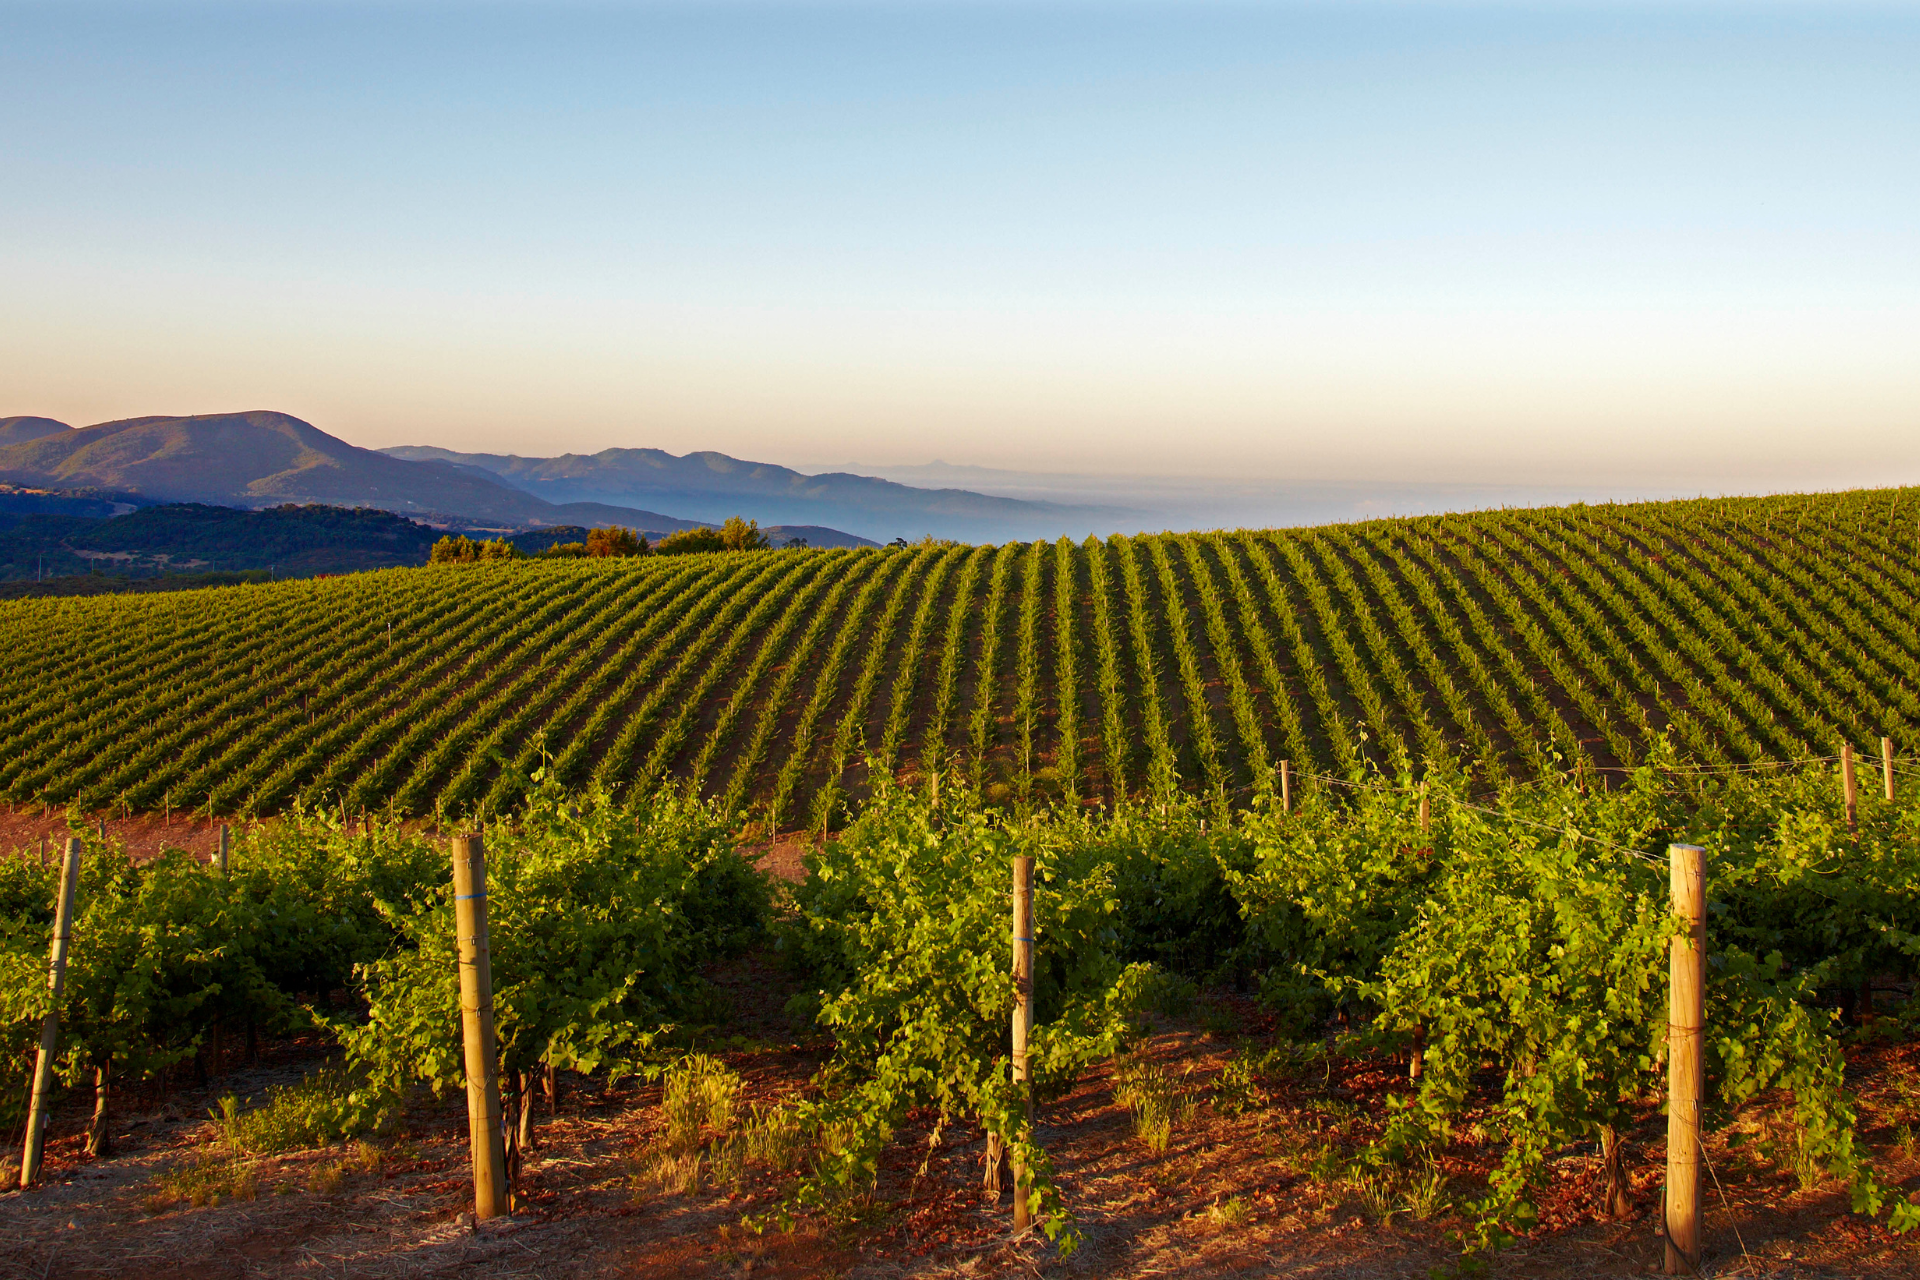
1502,645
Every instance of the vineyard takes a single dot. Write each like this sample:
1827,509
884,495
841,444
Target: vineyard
1437,1012
1500,645
1347,890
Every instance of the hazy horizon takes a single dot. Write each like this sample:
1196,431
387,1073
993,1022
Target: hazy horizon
1631,247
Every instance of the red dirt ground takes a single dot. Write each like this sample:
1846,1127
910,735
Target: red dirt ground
144,835
1236,1193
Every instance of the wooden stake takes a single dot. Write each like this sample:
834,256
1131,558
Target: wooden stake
1686,1074
226,847
43,851
484,1134
1286,786
50,1026
1847,786
1886,767
1426,812
1022,1019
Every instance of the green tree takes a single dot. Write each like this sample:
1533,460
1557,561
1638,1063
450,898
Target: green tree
460,549
690,540
455,548
742,535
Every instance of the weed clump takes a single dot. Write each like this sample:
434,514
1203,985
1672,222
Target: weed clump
1232,1212
1156,1100
214,1175
700,1097
318,1110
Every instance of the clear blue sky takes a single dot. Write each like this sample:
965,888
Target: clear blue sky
1420,241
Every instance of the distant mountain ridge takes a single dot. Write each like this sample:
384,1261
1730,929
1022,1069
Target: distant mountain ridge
265,459
262,458
20,429
710,486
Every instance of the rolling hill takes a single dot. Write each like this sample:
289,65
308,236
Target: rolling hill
263,459
711,486
1503,645
20,429
290,541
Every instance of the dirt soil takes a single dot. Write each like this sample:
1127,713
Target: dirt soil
144,835
1234,1194
1241,1190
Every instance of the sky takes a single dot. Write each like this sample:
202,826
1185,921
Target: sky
1649,246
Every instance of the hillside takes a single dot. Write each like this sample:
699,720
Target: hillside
712,486
287,541
95,503
22,427
291,541
263,459
1505,644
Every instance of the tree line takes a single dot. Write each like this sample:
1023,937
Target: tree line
614,540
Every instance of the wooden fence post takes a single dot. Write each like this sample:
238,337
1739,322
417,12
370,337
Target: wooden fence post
1286,786
50,1026
1886,767
1848,787
225,848
1022,1021
476,1018
1686,1074
1426,811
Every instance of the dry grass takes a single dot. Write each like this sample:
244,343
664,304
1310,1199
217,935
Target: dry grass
209,1177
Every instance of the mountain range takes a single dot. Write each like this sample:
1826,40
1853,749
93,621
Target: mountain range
710,486
262,459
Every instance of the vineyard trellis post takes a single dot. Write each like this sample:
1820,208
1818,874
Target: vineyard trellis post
223,850
1849,790
476,1017
1286,786
1426,811
1022,1022
50,1026
1886,767
1686,1073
